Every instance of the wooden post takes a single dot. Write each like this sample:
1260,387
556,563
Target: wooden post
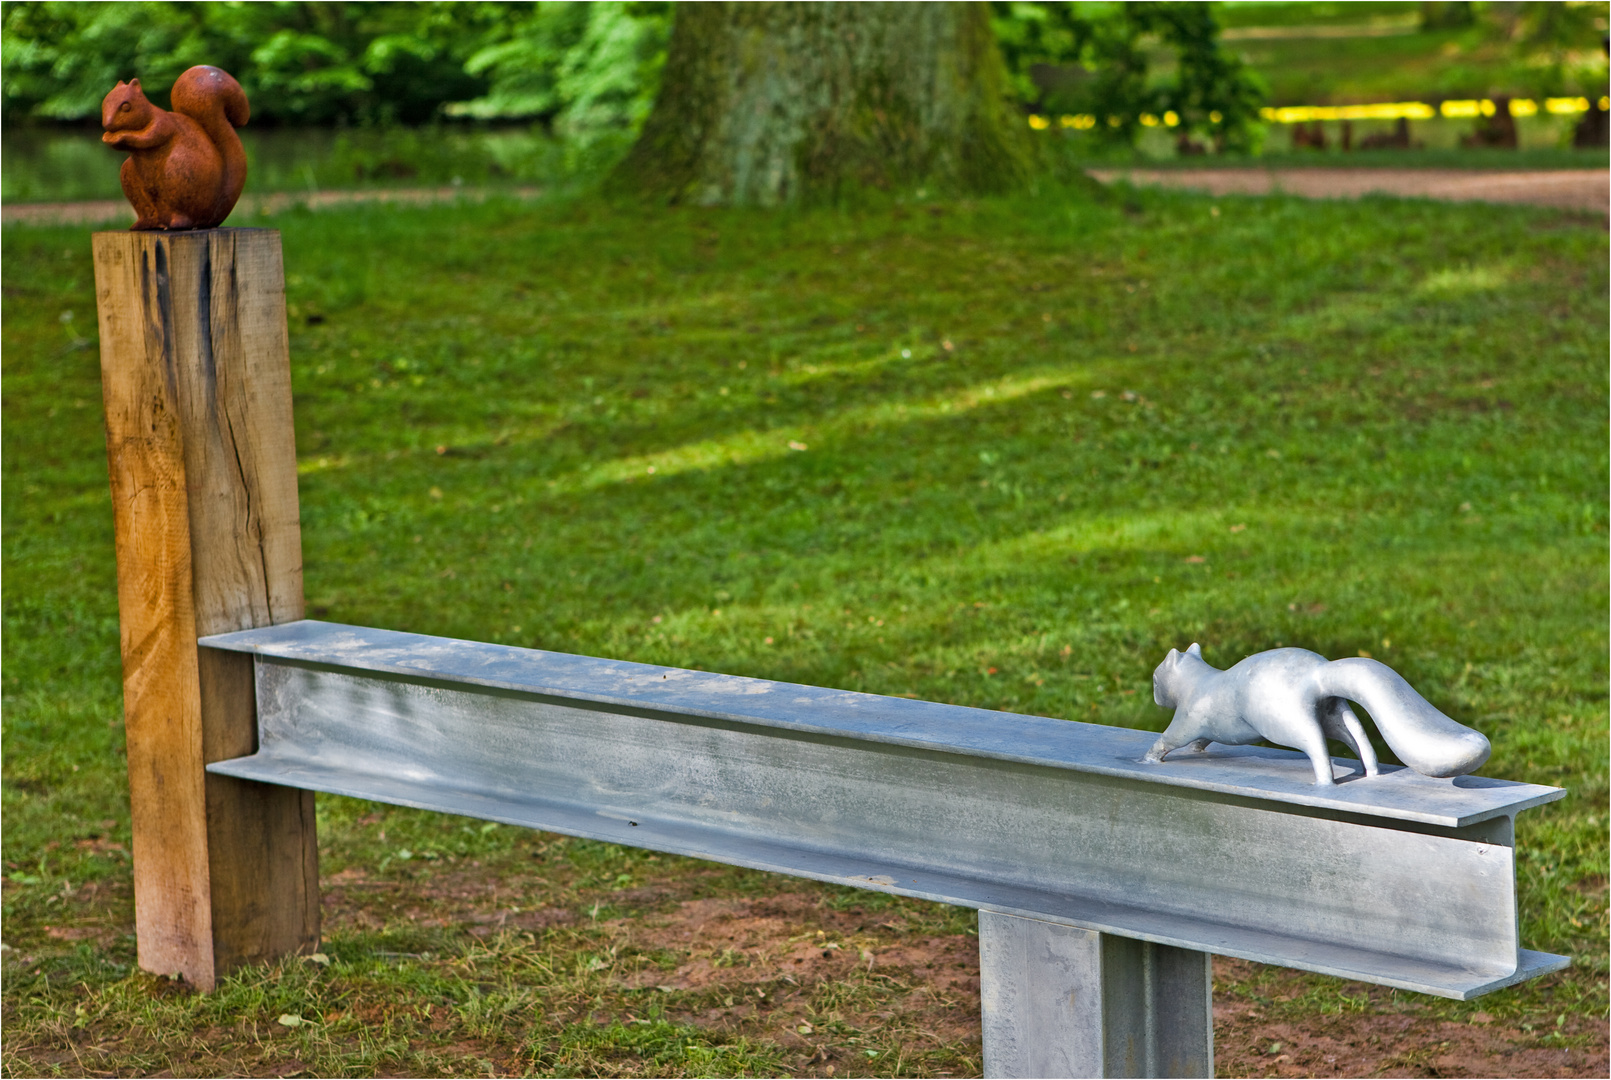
195,369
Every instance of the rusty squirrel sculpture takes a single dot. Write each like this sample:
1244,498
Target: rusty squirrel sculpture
186,168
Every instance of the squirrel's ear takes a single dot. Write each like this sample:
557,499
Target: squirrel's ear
1195,650
1174,656
134,84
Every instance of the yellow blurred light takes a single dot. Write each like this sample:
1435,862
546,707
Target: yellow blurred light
1068,121
1039,123
1304,114
1216,116
1148,120
1172,118
1114,121
1417,110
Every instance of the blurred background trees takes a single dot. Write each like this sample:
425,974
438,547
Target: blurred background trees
1099,60
313,63
487,89
574,67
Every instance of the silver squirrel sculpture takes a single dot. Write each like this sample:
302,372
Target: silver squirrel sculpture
1300,699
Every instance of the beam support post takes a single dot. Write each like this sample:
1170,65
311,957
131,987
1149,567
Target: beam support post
1061,1001
201,452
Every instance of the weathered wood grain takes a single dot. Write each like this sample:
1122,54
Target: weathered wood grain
202,461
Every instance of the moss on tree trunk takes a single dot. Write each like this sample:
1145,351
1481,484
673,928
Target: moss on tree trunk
769,103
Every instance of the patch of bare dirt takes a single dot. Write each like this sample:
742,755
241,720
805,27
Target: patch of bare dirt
468,898
794,936
764,966
822,983
1388,1036
1566,189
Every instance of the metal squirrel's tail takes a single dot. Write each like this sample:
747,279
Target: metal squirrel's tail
1421,736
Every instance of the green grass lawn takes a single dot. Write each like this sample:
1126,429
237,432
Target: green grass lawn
1003,453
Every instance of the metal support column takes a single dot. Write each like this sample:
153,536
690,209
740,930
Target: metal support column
1061,1001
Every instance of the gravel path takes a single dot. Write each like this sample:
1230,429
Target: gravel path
1567,189
117,211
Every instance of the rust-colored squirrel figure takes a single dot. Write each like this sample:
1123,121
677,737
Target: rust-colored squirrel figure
186,168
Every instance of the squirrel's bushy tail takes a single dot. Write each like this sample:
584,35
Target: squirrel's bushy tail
1421,736
215,101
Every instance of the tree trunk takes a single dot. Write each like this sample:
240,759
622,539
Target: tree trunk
769,103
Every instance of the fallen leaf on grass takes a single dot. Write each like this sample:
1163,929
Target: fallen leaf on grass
291,1020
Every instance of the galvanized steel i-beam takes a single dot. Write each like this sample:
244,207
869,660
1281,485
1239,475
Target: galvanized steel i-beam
1056,827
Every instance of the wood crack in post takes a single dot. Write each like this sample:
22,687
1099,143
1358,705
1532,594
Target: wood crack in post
235,432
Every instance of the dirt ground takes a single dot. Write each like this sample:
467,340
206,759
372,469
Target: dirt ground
1389,1035
117,211
793,945
830,977
1566,189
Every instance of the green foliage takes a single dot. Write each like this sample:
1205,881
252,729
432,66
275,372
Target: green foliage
301,62
1099,59
593,64
1421,52
591,70
1447,14
584,68
585,72
1560,47
588,72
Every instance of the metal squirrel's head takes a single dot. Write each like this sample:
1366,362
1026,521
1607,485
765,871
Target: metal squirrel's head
1169,676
